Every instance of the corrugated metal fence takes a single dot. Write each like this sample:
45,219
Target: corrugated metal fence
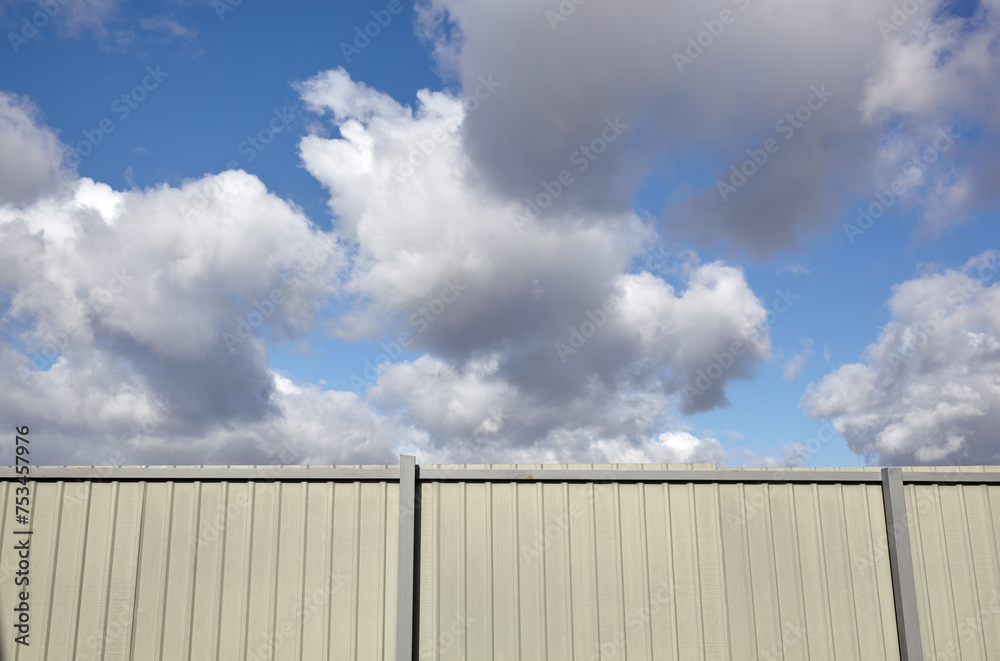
502,562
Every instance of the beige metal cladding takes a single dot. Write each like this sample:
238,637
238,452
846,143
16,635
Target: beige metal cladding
205,570
955,537
581,562
654,571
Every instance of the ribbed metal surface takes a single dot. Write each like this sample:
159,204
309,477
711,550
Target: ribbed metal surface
955,537
213,570
215,565
654,571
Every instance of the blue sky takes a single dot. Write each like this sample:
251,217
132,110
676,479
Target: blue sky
485,382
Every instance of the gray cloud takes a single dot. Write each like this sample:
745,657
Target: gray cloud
30,151
698,91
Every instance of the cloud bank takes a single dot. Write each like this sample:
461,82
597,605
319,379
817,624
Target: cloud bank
928,390
533,341
833,84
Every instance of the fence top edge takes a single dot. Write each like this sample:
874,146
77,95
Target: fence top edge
383,473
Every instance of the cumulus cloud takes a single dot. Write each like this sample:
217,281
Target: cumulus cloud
687,79
150,296
31,151
493,239
934,77
937,64
123,307
538,319
470,415
535,341
928,390
317,427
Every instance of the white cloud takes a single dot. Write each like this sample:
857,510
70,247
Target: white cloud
130,296
590,339
796,269
92,15
938,66
928,391
933,74
120,300
167,25
188,260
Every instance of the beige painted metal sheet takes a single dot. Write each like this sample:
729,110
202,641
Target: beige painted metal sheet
296,570
955,539
205,570
655,571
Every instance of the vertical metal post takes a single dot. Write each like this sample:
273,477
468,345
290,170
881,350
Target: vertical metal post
405,571
904,590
